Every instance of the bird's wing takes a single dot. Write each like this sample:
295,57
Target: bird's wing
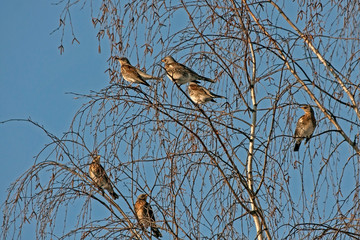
189,70
204,91
215,95
129,71
197,76
102,174
150,212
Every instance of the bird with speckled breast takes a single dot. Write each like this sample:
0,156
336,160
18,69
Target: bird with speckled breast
304,127
145,214
200,94
133,74
181,74
99,176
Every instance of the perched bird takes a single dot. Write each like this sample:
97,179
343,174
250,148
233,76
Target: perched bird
132,74
180,73
99,176
145,214
305,126
200,94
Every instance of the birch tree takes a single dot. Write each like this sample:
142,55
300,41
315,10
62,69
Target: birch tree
223,170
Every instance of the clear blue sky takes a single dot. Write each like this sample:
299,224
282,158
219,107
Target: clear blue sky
34,79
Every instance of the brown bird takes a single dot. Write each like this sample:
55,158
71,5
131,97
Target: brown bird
181,74
99,176
200,94
305,126
145,214
132,74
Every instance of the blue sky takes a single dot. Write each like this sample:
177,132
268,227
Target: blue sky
34,79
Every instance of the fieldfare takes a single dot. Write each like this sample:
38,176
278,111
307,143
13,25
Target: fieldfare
99,176
145,214
132,74
305,126
200,94
180,73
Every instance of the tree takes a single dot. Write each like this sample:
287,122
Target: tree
222,170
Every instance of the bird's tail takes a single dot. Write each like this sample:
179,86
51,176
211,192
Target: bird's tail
195,81
206,79
156,232
307,139
217,96
154,78
297,146
144,83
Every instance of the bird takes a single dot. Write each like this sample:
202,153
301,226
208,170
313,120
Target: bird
133,74
305,126
200,94
181,74
145,214
99,176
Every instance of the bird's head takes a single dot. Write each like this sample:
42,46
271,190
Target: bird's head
168,59
143,196
96,158
306,108
123,60
193,86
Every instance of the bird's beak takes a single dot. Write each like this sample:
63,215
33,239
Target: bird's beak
163,60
